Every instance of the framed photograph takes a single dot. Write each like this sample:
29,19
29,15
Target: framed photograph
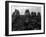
24,18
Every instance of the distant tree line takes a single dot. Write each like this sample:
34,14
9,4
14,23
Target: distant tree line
27,21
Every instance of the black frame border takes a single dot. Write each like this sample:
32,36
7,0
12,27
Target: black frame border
7,17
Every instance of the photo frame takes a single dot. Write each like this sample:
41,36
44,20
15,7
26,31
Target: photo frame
10,8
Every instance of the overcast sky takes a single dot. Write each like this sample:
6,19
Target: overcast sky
23,8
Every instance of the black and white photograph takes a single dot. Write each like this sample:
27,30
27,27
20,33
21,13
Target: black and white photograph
24,18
